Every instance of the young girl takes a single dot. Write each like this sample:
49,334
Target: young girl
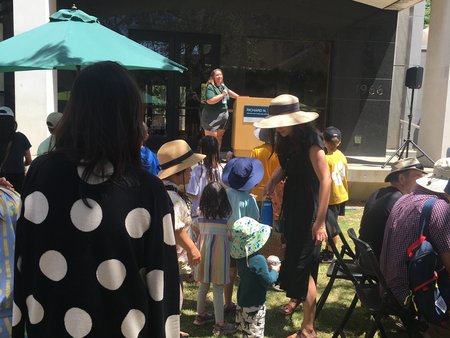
208,171
214,247
337,163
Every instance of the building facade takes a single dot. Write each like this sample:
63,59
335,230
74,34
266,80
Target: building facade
337,56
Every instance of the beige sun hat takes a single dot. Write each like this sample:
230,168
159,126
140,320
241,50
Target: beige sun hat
175,156
284,111
438,179
409,163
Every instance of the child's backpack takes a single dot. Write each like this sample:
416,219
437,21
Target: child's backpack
429,288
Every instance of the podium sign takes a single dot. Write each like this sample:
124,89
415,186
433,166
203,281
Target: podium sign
247,110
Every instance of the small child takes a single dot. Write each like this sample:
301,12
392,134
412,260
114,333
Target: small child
177,158
270,162
241,174
337,164
256,274
209,170
149,160
213,243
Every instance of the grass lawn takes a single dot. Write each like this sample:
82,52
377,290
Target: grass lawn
278,325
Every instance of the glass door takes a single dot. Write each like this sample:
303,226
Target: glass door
173,100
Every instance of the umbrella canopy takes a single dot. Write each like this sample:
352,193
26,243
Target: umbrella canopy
74,39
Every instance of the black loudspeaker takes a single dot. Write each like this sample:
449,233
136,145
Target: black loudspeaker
414,76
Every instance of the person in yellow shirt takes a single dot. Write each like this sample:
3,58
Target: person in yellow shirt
269,159
337,162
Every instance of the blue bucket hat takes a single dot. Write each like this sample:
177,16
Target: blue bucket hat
243,173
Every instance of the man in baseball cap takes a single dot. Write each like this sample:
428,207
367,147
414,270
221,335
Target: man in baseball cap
48,144
402,178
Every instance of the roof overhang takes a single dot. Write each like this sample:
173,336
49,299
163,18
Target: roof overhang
394,5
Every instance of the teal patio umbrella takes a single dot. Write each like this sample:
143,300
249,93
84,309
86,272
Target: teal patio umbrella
72,40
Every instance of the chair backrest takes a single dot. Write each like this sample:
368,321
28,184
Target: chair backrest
370,266
333,230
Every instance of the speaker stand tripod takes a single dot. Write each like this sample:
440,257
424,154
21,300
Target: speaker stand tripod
404,148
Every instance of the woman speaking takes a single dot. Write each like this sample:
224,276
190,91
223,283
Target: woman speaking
214,116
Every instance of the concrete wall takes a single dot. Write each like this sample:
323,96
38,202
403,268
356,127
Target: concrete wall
434,135
35,91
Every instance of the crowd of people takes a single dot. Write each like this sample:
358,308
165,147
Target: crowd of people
107,227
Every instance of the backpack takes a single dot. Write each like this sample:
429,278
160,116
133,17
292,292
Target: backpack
429,288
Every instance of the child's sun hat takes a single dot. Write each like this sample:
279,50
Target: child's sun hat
243,173
247,237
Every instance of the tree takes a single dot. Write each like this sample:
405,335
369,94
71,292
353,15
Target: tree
426,21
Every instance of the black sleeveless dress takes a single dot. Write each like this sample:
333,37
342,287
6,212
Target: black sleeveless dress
299,207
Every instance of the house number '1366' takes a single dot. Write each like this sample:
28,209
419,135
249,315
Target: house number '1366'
364,89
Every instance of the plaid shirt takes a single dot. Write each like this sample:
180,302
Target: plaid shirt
402,229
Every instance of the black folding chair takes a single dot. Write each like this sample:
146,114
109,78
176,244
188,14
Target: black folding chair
377,298
343,267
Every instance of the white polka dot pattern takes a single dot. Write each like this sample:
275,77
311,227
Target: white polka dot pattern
17,315
77,322
84,218
95,177
172,327
169,235
111,274
53,265
35,310
36,207
133,324
137,222
155,284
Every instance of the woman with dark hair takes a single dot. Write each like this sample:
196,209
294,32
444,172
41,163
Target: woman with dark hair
305,202
95,245
14,149
209,170
214,116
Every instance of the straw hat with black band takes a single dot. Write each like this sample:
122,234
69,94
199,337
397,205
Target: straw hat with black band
175,156
284,111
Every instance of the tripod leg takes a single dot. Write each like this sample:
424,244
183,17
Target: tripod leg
398,152
419,149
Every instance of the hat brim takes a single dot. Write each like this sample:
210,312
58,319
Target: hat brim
286,120
237,251
388,176
432,183
189,162
262,134
255,177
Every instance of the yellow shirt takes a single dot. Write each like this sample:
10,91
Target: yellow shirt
262,153
337,163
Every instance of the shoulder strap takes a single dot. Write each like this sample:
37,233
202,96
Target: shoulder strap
426,214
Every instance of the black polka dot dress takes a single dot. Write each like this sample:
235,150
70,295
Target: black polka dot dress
95,258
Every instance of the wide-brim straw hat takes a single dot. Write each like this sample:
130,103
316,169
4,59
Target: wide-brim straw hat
247,237
175,156
438,179
284,111
409,163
